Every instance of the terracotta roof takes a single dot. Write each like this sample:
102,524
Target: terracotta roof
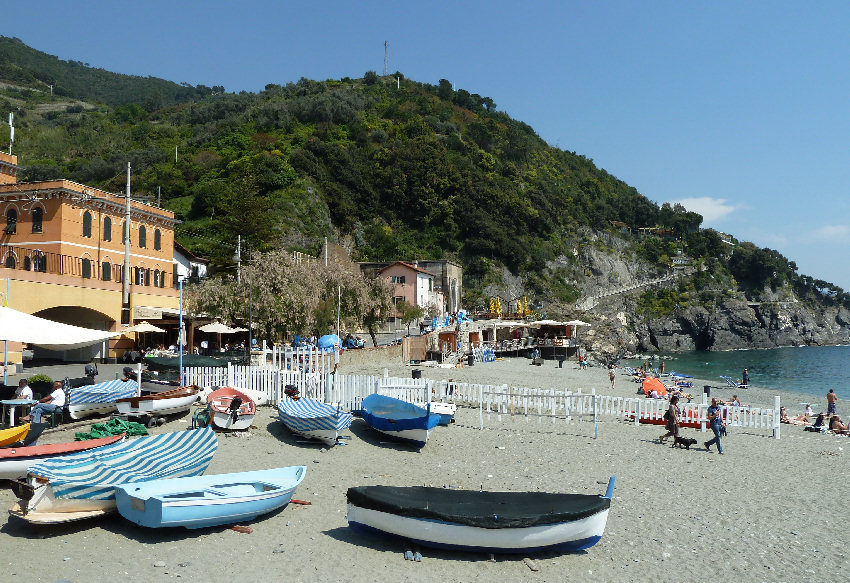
407,265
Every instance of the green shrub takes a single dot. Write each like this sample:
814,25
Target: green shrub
40,378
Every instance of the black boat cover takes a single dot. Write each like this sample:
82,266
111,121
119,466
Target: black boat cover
479,509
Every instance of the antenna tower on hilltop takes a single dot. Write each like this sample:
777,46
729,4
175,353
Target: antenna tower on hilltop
386,58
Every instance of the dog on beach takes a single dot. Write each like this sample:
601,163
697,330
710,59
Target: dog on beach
685,442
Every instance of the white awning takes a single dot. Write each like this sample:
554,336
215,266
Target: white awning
17,326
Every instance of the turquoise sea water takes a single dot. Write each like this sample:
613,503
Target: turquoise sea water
811,370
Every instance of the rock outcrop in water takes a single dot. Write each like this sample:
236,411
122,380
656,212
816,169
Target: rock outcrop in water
612,280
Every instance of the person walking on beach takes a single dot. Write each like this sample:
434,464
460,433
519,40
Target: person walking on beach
745,378
612,376
831,400
673,415
715,418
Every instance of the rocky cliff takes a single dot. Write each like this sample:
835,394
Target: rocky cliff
613,278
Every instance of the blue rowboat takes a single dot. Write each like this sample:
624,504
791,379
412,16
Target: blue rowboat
82,485
399,419
203,501
314,419
468,520
100,398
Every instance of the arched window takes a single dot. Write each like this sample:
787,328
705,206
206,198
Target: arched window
143,236
11,221
87,224
156,278
37,217
39,262
10,261
157,240
86,264
106,271
107,229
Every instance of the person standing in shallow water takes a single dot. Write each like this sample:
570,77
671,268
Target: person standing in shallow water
831,401
745,378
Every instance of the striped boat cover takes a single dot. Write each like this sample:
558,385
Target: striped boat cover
310,415
106,392
94,474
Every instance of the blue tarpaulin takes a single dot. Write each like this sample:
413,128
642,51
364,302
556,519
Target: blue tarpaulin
327,341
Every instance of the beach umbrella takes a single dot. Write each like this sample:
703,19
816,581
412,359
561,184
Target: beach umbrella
651,384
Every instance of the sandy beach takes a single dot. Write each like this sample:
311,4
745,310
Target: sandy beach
768,510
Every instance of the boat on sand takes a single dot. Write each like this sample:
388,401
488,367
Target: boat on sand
81,485
399,419
202,501
99,399
15,462
231,409
177,400
314,419
470,520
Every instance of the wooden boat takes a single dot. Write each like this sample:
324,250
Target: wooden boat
314,419
13,434
82,485
165,403
468,520
15,462
399,419
202,501
259,397
231,409
99,399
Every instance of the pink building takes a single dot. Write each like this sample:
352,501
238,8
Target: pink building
412,285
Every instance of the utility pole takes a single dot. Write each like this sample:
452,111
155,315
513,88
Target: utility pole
125,299
158,197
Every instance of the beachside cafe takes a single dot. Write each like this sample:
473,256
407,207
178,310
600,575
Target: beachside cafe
555,340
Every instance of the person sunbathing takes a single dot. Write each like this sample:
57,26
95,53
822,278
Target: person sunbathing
836,426
796,420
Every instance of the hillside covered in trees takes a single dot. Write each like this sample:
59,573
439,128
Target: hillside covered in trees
416,171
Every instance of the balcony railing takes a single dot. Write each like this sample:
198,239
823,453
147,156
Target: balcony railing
28,259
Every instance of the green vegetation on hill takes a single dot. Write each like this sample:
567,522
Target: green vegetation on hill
417,171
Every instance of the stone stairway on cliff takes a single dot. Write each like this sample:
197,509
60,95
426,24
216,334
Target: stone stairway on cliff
590,302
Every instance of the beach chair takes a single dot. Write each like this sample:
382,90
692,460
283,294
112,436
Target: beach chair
734,384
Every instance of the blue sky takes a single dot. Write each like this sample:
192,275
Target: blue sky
739,110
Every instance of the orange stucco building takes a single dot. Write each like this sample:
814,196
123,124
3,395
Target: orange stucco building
62,256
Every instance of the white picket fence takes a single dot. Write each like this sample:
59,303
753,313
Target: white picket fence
315,379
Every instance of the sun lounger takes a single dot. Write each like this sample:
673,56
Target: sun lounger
734,384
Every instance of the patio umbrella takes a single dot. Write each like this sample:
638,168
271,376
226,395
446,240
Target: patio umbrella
143,327
217,328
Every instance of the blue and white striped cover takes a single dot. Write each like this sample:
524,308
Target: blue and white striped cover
106,392
94,474
306,415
